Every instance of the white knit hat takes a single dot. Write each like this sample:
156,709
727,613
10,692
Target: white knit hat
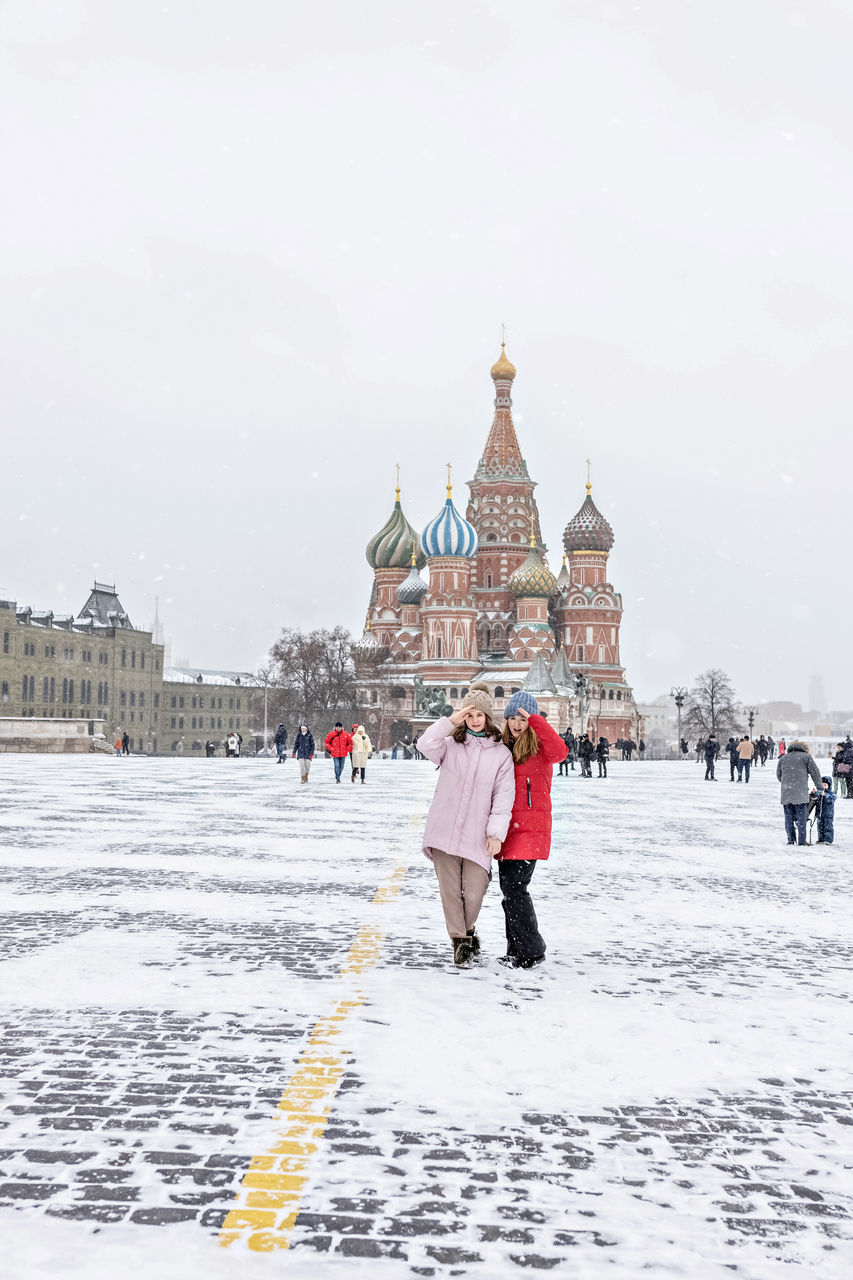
479,698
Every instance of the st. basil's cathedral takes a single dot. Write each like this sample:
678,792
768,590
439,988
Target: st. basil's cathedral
492,609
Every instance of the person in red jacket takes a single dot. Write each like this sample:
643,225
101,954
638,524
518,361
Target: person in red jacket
536,748
339,745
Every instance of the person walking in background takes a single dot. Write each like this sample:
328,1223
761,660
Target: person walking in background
839,780
745,753
700,749
303,751
125,743
825,812
118,744
585,754
361,749
771,746
685,749
536,748
793,770
470,812
731,751
782,747
568,739
280,741
711,752
845,767
339,745
602,752
641,747
761,748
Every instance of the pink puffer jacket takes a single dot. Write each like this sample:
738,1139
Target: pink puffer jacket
474,795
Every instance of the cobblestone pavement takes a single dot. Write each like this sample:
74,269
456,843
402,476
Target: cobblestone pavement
668,1095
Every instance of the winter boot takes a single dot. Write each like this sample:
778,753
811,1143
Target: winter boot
462,952
474,938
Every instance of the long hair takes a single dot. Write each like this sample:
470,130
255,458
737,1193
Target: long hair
524,746
490,729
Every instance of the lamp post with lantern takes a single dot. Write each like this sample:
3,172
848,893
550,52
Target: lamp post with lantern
679,695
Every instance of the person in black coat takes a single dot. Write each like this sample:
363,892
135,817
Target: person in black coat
712,749
280,741
731,748
585,752
602,751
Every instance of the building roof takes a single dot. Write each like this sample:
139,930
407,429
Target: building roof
203,675
538,678
502,455
104,606
391,547
448,534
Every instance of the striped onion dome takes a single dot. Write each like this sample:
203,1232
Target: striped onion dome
533,578
588,530
391,547
448,534
412,589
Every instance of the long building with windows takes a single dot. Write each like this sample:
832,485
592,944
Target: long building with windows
96,665
492,609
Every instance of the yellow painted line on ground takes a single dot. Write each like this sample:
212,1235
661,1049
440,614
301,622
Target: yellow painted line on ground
270,1196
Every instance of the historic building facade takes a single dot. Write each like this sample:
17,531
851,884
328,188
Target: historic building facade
98,666
491,608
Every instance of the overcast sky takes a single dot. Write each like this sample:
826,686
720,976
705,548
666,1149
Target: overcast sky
255,253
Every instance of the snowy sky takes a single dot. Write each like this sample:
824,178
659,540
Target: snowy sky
253,254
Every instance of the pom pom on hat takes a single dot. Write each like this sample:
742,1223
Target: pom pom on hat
522,699
479,698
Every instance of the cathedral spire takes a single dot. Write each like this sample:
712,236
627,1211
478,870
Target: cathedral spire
502,455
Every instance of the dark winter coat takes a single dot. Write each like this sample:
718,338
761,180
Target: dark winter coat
303,746
529,834
825,815
602,749
731,748
280,738
712,750
338,743
794,770
585,749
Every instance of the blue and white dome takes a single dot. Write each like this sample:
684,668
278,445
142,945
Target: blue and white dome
448,534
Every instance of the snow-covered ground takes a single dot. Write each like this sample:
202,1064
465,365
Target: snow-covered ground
207,965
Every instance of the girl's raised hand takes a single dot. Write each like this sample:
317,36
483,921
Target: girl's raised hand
458,717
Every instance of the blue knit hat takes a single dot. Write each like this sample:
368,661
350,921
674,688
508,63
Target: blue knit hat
522,699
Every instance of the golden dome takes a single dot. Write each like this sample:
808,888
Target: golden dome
533,578
504,368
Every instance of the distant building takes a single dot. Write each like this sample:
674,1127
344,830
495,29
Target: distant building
96,665
492,609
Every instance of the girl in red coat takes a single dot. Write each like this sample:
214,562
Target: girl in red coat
536,748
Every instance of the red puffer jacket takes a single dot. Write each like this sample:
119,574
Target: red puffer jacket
529,834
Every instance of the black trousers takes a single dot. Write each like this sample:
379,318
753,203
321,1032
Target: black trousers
523,938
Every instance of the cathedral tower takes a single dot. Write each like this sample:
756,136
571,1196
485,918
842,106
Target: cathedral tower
500,508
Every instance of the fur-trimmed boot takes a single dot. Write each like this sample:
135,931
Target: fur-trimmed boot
474,938
462,952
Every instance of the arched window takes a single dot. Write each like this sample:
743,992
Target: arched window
52,688
438,647
44,689
610,695
454,693
489,581
65,689
499,691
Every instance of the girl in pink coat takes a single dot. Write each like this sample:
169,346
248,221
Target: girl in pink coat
470,812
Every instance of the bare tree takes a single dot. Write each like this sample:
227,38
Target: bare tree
315,675
712,705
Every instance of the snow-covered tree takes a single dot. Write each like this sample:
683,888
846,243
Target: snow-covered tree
712,705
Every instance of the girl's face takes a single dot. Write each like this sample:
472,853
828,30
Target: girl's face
475,720
516,725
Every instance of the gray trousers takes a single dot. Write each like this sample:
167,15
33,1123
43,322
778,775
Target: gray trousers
462,885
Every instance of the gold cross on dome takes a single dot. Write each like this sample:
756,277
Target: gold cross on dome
588,476
398,481
449,485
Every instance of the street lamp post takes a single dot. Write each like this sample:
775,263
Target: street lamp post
679,695
751,713
581,686
264,674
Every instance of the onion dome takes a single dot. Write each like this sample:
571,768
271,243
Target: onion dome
503,367
412,589
448,534
588,530
391,547
533,578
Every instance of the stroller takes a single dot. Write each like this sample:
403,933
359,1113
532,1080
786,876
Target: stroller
811,818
